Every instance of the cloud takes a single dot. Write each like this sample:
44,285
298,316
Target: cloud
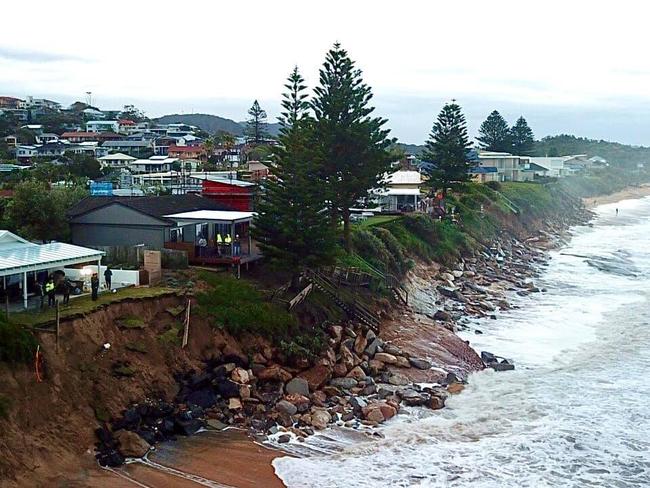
32,56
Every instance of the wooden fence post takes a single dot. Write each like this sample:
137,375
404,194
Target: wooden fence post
186,331
58,318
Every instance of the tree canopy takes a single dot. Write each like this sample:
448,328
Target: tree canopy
494,133
353,145
522,138
256,126
447,148
292,224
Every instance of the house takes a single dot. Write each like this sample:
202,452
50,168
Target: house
103,126
554,166
161,145
47,137
26,152
126,221
22,263
32,103
117,160
11,103
509,166
401,191
137,149
52,149
79,136
188,152
154,164
93,114
231,193
257,171
126,126
11,141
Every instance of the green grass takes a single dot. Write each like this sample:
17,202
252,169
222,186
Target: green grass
17,345
85,304
377,220
130,322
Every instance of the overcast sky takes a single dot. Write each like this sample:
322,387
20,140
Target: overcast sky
568,66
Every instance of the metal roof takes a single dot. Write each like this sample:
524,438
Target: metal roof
217,216
35,257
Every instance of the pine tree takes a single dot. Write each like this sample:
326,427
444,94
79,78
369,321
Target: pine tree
292,223
523,140
447,148
494,133
353,144
256,127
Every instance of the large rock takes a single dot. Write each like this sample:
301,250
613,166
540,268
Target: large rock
347,358
420,363
131,444
320,418
357,373
398,379
372,347
298,386
402,362
204,398
345,383
360,344
300,401
388,411
339,370
234,404
228,389
386,358
286,407
274,373
336,332
316,376
240,375
442,315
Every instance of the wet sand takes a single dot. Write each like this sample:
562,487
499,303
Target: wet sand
629,193
214,459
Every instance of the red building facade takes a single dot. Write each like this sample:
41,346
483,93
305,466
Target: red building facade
232,194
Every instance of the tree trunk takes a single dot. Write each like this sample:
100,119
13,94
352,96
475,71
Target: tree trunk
347,237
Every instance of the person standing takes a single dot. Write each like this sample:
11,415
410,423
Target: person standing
237,245
108,277
203,244
67,287
38,288
50,290
94,286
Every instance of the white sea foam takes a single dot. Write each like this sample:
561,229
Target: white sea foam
575,412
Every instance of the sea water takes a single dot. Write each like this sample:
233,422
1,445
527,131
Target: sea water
574,413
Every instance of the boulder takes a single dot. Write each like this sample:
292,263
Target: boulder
402,362
286,407
358,403
357,373
300,401
131,444
316,376
345,383
204,398
284,438
436,403
375,367
347,358
442,315
455,388
420,363
372,347
398,379
240,375
373,413
413,398
274,373
320,418
339,370
187,426
244,392
234,404
388,411
298,386
228,389
386,358
336,332
360,344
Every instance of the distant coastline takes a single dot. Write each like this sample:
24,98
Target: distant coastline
629,193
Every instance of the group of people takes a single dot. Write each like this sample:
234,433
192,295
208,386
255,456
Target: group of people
50,287
221,243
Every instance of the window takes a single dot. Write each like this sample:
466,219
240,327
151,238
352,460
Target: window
176,235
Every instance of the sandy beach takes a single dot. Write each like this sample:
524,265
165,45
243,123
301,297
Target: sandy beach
229,459
629,193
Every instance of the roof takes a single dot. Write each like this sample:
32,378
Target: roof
401,191
224,180
535,167
127,143
116,156
220,216
126,122
31,257
157,207
65,135
404,178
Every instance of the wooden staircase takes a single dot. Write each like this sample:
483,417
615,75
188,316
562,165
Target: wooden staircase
354,308
388,281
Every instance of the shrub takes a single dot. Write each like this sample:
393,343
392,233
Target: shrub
17,345
495,185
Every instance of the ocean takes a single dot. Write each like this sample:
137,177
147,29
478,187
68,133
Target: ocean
574,413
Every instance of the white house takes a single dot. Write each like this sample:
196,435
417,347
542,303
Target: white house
401,191
155,164
103,126
555,167
509,167
25,152
118,160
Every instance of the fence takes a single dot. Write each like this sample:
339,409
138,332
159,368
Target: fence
133,256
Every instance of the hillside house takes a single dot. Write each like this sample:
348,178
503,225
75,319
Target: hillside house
401,191
230,193
188,152
117,160
103,126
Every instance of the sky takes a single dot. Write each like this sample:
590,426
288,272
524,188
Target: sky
567,66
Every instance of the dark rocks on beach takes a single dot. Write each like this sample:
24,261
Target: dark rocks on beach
345,383
286,407
420,363
299,386
442,315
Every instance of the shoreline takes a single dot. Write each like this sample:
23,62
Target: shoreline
629,193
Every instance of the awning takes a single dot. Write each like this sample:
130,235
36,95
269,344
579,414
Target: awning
211,216
36,257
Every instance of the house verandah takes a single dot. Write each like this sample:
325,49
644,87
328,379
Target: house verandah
213,237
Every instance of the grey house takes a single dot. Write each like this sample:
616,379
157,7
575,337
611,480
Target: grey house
129,221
